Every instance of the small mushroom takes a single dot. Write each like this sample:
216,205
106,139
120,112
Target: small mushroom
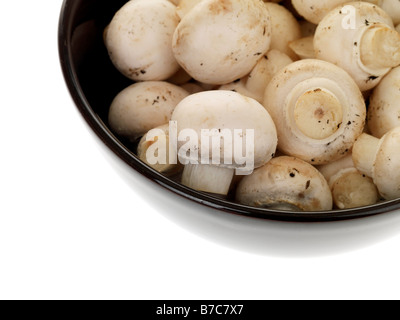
350,188
384,105
379,159
139,39
225,124
154,150
315,10
318,110
303,47
219,41
367,50
254,84
142,107
392,7
286,183
285,29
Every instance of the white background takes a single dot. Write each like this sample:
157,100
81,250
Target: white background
76,223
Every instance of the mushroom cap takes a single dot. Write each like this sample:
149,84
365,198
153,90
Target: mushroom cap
315,10
219,41
161,133
318,110
386,169
143,106
352,189
286,180
384,106
219,110
342,46
139,39
254,84
392,7
184,6
285,29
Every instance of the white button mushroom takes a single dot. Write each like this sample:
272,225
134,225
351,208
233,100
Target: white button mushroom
184,6
303,47
367,50
227,125
255,83
392,7
219,41
384,106
143,106
154,150
315,10
350,188
139,39
380,160
285,29
286,182
318,110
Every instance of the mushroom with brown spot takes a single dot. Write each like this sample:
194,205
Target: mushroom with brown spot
318,110
142,107
219,41
367,48
139,40
224,124
286,183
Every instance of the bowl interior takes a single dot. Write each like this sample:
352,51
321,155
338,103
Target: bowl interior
94,82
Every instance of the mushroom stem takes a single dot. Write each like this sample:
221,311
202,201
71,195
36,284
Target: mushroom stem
318,113
364,153
380,47
208,178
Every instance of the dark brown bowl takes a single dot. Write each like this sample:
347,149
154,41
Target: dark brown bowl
93,83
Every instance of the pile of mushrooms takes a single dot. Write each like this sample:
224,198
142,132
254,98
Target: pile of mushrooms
317,82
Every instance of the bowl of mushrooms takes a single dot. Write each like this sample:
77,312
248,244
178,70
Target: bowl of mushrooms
282,110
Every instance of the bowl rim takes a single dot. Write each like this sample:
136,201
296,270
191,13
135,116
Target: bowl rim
127,156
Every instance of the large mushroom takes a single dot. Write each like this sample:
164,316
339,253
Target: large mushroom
225,125
285,183
380,160
367,48
142,107
318,110
139,39
219,41
384,105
